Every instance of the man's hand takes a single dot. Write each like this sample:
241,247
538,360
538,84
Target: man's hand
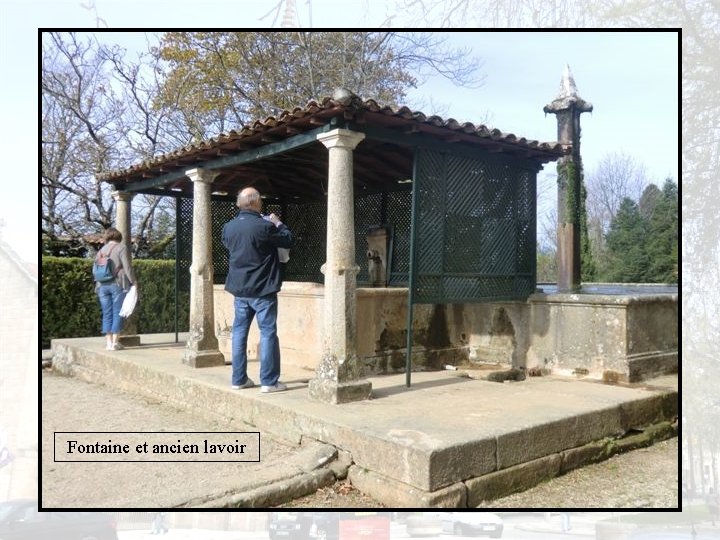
274,219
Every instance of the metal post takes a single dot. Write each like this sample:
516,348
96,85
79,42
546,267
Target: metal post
411,272
177,266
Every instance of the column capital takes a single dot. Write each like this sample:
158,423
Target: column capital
125,196
344,138
202,175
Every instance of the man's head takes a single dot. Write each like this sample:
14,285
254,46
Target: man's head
249,199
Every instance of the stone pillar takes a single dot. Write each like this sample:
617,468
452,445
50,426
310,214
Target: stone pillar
202,345
337,376
128,336
568,107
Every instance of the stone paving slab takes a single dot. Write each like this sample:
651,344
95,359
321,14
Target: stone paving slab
443,430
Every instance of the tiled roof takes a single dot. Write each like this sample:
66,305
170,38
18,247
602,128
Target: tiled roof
333,106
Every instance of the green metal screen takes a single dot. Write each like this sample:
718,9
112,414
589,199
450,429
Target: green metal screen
308,222
474,235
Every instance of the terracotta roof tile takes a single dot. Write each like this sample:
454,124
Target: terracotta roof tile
553,150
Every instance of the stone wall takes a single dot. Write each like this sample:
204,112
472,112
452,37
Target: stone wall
565,333
381,321
632,336
300,319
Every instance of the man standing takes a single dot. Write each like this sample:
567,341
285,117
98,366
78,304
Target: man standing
254,279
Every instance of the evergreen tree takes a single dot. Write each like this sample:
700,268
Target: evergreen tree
626,245
662,242
648,200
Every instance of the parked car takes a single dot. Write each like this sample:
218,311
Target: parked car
20,520
472,523
290,525
423,524
326,525
351,526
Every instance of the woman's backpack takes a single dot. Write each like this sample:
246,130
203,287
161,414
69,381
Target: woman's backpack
103,268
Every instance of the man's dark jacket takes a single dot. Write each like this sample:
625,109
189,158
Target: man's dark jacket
254,265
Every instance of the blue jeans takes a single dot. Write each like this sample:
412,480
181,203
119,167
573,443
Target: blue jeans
111,300
265,308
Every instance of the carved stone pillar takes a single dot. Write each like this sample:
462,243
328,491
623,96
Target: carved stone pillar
337,376
123,222
202,345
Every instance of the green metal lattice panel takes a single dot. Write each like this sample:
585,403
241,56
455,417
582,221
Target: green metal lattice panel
399,210
308,223
474,235
221,213
368,213
183,217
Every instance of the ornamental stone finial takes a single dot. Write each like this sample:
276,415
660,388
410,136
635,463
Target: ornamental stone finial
344,96
567,84
568,96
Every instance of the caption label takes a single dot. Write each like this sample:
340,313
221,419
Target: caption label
158,446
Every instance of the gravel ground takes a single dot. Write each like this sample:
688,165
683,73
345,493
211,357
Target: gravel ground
645,478
340,495
70,404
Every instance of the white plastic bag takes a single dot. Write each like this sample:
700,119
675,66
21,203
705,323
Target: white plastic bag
283,254
129,302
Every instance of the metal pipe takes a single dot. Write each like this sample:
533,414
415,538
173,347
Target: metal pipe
411,272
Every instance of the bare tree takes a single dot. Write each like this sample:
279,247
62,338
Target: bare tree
496,13
78,138
616,177
147,132
97,115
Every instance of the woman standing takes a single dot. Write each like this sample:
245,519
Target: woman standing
112,293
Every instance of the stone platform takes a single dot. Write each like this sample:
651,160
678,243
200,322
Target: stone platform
449,440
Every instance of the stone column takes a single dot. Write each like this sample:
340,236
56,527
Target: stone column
128,336
568,107
202,346
337,376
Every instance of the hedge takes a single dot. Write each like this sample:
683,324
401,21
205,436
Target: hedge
70,307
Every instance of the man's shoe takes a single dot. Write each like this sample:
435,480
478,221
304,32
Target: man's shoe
248,384
117,347
279,387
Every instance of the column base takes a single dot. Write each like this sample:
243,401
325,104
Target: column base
202,359
129,340
330,391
